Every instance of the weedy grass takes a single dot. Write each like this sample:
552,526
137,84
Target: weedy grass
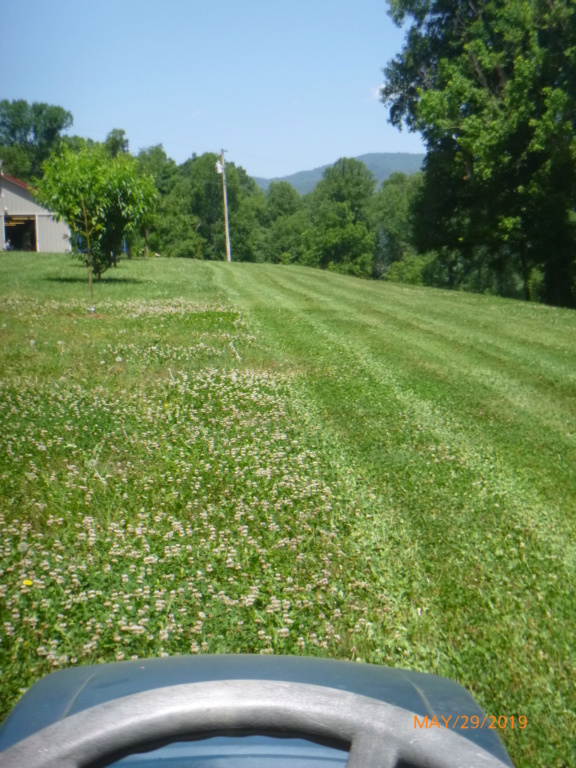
270,459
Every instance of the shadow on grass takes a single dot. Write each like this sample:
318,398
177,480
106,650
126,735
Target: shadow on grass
104,281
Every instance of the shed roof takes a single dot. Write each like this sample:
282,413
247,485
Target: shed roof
16,181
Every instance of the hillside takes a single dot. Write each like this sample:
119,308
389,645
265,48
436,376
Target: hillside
382,165
252,458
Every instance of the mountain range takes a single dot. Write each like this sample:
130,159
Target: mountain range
382,165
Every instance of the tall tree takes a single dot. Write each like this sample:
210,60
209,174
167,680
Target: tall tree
117,143
155,162
282,199
347,181
287,220
28,134
285,237
336,241
340,236
491,86
247,224
393,219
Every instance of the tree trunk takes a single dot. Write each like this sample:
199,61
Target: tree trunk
559,280
525,274
451,273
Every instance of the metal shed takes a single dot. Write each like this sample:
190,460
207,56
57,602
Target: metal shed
25,225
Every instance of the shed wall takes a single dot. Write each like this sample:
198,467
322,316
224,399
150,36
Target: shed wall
16,201
53,236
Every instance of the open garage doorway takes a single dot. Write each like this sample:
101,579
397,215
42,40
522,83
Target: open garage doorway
20,233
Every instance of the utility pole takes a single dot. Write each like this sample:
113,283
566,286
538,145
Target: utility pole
221,168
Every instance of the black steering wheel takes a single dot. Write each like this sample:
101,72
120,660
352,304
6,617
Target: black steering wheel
378,734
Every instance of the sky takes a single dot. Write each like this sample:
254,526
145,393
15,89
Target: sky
281,85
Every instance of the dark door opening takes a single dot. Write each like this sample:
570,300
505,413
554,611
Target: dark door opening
20,233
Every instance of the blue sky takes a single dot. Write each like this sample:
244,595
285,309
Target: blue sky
283,85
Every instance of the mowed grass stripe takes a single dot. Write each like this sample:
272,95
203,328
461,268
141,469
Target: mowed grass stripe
454,435
501,394
467,438
542,335
497,541
520,344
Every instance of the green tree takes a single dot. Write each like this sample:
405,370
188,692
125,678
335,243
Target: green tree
284,224
76,143
282,199
102,199
492,88
28,134
341,235
117,143
195,204
347,181
17,160
155,162
392,214
190,221
336,241
247,226
285,236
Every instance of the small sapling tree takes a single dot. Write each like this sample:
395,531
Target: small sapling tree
103,199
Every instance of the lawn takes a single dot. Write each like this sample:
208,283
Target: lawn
268,459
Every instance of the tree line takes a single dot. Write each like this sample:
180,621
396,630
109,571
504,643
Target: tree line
117,202
490,86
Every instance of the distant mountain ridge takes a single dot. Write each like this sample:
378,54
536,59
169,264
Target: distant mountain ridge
382,165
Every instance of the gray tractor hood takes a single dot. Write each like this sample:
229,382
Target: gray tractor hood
70,691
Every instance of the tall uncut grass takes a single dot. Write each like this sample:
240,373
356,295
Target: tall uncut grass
265,459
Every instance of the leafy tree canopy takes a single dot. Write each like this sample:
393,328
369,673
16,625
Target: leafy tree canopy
340,236
347,181
284,237
192,211
102,199
76,143
155,162
337,242
28,133
282,199
492,88
117,143
392,214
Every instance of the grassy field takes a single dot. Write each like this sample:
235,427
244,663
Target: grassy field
272,459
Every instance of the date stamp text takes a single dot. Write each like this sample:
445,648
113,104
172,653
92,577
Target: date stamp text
471,722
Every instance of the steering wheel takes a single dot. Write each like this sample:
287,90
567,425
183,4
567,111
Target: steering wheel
378,734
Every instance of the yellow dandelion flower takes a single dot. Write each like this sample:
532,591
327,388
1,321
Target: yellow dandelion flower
27,583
